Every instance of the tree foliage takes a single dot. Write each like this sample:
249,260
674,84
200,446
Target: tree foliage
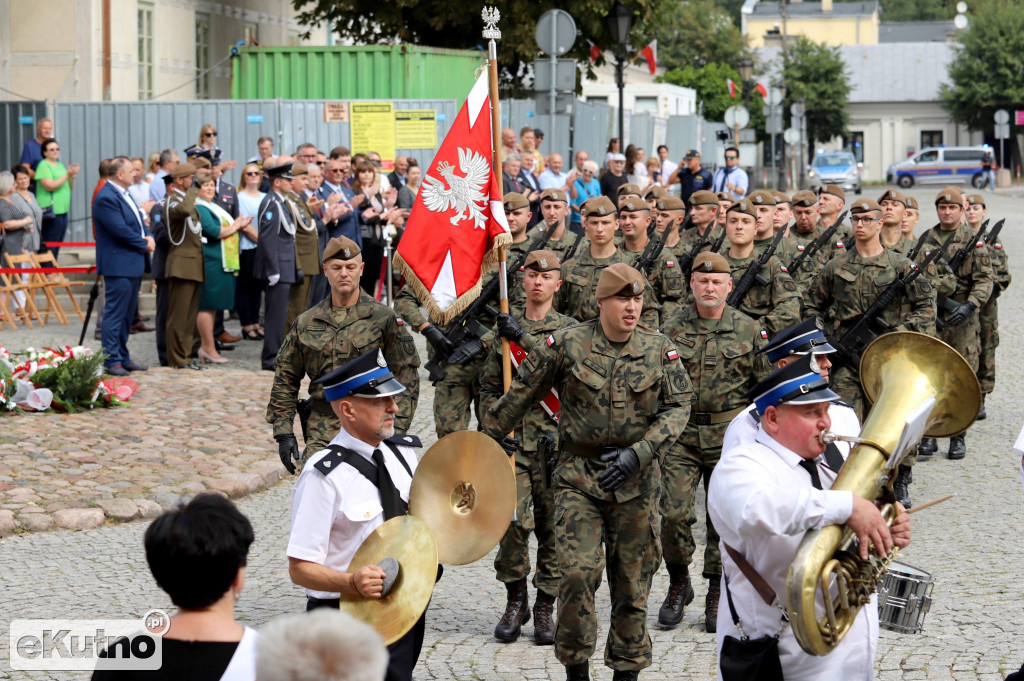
987,72
916,10
696,33
817,73
710,83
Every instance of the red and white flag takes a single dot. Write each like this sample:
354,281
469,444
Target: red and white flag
650,55
732,87
595,51
457,222
762,90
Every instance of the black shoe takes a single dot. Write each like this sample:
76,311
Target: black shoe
900,486
927,447
132,366
116,370
98,335
625,675
577,672
680,594
543,627
222,347
981,414
517,612
957,447
711,605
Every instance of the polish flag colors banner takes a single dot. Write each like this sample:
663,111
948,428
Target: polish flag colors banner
761,90
457,223
595,51
650,55
732,87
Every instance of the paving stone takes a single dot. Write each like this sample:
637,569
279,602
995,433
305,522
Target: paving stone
119,509
78,518
7,524
148,509
233,487
36,522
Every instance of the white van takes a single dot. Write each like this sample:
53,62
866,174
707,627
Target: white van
939,165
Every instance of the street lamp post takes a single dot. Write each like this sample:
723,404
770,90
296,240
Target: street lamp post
620,21
746,69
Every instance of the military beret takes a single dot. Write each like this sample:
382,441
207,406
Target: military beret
633,204
542,260
342,248
598,207
864,206
975,200
724,196
655,191
912,202
892,195
950,195
704,198
514,201
619,279
710,263
671,202
833,189
743,206
628,189
299,168
780,197
804,199
183,170
200,163
554,195
761,198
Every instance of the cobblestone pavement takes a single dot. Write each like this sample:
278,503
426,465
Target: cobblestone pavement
969,544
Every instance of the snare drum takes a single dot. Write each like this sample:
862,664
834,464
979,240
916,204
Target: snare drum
904,598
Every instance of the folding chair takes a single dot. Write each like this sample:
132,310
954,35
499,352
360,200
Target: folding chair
38,282
10,284
6,292
56,280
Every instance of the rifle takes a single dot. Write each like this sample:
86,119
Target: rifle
870,325
912,255
572,249
645,261
466,326
991,238
686,262
812,248
753,273
546,452
959,257
717,246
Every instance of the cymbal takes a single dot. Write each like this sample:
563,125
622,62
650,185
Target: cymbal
464,489
408,541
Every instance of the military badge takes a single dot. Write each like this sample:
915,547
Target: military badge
381,362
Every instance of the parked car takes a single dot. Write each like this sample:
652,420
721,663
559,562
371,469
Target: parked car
834,167
939,165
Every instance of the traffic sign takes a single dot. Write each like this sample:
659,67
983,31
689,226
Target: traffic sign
1002,131
737,116
565,74
798,109
792,136
1002,116
774,96
556,32
773,120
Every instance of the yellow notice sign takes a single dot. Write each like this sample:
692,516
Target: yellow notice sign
416,128
372,126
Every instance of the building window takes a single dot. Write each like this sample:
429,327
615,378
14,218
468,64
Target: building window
145,58
202,56
931,138
649,104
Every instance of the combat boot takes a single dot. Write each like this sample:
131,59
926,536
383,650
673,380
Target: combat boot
927,447
517,612
543,627
901,484
957,447
577,672
711,605
625,675
981,414
680,594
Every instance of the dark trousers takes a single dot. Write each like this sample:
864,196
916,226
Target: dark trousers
298,300
182,308
54,229
403,653
161,321
248,290
319,290
119,311
274,313
373,258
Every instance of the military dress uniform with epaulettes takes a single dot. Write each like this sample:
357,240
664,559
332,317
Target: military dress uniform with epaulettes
185,274
275,256
307,258
161,237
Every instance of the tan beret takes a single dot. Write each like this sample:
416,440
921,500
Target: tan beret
633,203
804,199
299,168
711,263
833,189
864,206
342,248
599,206
554,195
671,202
655,191
200,163
183,170
912,202
892,195
724,196
975,200
743,206
950,195
627,189
619,279
780,197
704,198
513,201
761,198
542,260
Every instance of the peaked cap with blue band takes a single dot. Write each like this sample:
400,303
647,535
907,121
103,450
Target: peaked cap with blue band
803,338
367,375
795,383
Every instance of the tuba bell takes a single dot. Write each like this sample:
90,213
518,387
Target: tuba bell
901,373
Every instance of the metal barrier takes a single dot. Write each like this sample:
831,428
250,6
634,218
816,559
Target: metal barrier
17,126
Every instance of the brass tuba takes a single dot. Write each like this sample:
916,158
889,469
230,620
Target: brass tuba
900,372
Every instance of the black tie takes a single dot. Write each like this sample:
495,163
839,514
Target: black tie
807,464
390,499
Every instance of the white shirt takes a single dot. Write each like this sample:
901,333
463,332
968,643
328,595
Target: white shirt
844,419
333,514
135,208
736,176
140,192
667,168
552,180
762,502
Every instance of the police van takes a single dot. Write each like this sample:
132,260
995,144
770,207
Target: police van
939,165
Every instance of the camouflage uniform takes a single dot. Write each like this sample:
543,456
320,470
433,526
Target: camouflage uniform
843,235
513,560
577,297
806,271
688,239
784,253
776,305
558,247
322,339
988,319
667,280
636,395
722,361
847,286
516,294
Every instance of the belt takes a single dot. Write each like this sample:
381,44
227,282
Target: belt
322,407
314,603
711,418
589,451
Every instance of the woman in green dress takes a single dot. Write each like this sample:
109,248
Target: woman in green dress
220,261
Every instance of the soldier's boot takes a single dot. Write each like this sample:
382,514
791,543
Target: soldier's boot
543,627
957,447
927,447
981,414
517,612
577,672
680,594
711,606
900,486
625,675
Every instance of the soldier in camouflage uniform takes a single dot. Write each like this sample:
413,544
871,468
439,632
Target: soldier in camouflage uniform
831,201
628,191
517,212
307,245
764,233
805,230
956,316
525,329
342,327
719,347
664,275
652,195
624,398
554,210
704,212
669,214
783,213
775,304
911,215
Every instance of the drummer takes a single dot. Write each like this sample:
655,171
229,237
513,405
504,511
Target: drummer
348,490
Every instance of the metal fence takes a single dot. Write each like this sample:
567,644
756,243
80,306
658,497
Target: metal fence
17,126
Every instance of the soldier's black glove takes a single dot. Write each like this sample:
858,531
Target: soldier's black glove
509,328
960,314
624,465
466,351
288,450
509,444
437,340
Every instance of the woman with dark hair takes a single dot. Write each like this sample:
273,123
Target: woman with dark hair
371,208
197,554
53,192
613,148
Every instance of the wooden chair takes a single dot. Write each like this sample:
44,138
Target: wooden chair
38,282
10,284
57,280
6,293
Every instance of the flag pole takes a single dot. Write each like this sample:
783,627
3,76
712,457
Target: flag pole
491,16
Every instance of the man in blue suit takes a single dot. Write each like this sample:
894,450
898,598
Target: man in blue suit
123,245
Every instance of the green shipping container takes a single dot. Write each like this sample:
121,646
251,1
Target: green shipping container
354,72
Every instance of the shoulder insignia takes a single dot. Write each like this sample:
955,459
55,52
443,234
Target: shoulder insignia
399,321
839,244
783,268
405,440
157,219
764,334
670,263
329,463
800,247
998,245
269,214
979,244
551,341
671,355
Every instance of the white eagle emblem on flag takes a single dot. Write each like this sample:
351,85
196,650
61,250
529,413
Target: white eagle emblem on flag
464,194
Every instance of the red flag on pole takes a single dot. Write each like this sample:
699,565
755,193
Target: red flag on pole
457,222
762,90
650,55
732,87
595,51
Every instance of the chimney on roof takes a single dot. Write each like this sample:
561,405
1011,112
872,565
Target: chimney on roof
826,6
